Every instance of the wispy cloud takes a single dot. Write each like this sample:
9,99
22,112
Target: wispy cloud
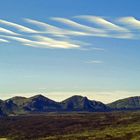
130,21
94,62
42,42
114,30
56,31
92,49
98,49
78,25
103,22
4,40
19,39
118,31
18,27
5,31
71,34
46,42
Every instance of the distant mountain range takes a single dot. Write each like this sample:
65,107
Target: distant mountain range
41,104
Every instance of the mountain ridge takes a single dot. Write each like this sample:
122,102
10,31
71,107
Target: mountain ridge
19,105
129,103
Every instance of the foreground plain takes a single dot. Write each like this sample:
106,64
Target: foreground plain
73,126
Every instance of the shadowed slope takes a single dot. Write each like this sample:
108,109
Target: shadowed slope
79,103
127,103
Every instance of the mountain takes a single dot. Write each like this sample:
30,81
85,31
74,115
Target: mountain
131,103
41,104
1,112
22,105
79,103
18,100
1,101
8,107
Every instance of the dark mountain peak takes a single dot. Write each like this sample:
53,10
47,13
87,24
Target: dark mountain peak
40,103
80,103
136,98
18,98
39,96
75,98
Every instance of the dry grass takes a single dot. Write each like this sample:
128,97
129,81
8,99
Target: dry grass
82,126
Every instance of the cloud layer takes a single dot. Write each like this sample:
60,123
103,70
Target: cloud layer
67,33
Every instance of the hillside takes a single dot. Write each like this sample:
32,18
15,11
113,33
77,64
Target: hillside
131,103
41,104
79,103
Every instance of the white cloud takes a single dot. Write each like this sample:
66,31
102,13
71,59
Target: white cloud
89,31
104,23
94,62
56,31
4,40
50,36
130,21
46,42
118,31
5,31
19,39
56,43
62,32
43,42
17,26
98,49
78,25
92,49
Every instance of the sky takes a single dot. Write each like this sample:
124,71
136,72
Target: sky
74,47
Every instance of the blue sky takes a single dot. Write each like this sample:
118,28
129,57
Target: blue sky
61,48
